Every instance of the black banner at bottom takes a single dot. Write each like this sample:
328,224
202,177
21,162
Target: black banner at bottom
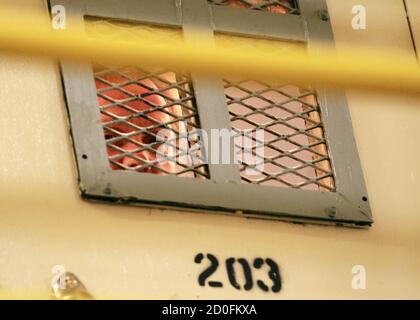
207,309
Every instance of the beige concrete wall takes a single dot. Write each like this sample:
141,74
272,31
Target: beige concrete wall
126,252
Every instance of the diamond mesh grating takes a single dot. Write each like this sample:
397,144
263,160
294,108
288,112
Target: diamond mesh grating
147,114
275,6
295,149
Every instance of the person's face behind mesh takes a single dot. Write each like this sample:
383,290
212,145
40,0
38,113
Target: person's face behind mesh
141,88
275,8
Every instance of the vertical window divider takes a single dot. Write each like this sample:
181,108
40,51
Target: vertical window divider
209,91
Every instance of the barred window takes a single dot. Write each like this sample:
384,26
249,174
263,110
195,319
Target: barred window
144,134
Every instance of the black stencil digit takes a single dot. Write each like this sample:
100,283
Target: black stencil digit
230,268
274,275
248,274
214,264
258,262
231,273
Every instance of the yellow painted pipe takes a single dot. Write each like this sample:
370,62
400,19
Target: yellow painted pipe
31,34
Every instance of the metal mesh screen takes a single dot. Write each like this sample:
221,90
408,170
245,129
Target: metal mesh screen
147,113
295,148
275,6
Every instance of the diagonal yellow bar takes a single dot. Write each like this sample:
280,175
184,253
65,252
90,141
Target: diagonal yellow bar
358,68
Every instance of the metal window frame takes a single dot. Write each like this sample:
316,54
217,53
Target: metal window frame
224,192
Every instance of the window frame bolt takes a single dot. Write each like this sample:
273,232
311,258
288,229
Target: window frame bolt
331,212
108,190
324,15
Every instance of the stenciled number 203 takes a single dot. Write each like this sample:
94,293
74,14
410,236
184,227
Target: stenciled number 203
273,273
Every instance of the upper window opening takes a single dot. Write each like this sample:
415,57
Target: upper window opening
275,6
